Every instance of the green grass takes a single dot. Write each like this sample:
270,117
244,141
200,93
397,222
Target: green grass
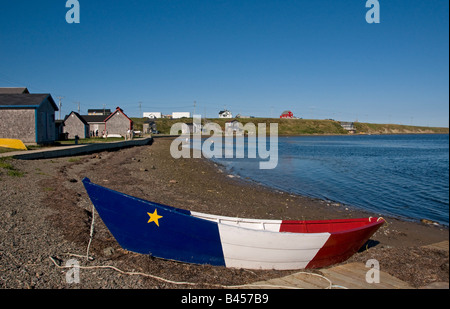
5,164
302,126
5,150
92,140
16,173
374,128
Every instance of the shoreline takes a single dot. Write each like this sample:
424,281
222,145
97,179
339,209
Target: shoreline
235,174
48,214
332,202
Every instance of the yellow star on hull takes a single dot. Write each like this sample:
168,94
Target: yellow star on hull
154,217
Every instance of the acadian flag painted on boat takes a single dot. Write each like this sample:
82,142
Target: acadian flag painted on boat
176,234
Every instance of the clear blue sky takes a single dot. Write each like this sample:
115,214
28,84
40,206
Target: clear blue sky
318,58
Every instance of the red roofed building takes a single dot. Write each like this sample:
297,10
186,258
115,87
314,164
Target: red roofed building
118,123
287,114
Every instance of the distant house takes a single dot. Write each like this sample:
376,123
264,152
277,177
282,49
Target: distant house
191,128
243,116
99,112
75,125
233,127
178,115
96,124
225,114
149,126
152,115
118,123
28,117
349,126
287,114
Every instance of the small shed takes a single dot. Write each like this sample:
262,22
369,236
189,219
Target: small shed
149,126
28,117
96,124
118,123
191,128
233,127
75,125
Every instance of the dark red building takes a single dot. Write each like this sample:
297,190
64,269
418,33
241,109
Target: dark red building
287,114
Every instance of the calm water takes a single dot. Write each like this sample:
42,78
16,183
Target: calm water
405,176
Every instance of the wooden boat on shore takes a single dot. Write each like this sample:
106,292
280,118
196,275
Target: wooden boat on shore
176,234
12,143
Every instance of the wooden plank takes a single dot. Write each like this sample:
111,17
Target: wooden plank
275,283
288,282
306,282
351,276
442,246
342,280
312,280
356,274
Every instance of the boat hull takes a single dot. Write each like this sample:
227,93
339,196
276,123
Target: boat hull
170,233
12,143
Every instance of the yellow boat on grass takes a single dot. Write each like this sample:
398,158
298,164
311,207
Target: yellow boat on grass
12,143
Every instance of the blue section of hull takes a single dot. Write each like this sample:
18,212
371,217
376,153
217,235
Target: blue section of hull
175,235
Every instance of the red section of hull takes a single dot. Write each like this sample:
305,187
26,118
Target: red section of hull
346,237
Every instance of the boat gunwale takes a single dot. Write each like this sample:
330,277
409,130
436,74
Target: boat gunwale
181,211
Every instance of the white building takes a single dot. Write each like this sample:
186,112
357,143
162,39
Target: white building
152,115
233,127
191,128
225,114
178,115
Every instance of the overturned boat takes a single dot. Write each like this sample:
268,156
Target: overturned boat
176,234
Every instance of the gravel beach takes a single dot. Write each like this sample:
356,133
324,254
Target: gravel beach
46,220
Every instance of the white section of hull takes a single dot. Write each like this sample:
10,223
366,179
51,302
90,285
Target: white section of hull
260,249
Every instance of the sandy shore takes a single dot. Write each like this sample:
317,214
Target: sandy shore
46,213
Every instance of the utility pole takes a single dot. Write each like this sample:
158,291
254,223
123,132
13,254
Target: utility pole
79,109
60,105
140,109
195,102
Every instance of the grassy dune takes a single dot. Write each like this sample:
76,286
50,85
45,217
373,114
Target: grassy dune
303,126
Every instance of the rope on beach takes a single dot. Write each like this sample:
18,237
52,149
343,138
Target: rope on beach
378,219
123,272
91,234
193,283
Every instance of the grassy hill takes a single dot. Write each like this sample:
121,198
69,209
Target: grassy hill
372,128
304,126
